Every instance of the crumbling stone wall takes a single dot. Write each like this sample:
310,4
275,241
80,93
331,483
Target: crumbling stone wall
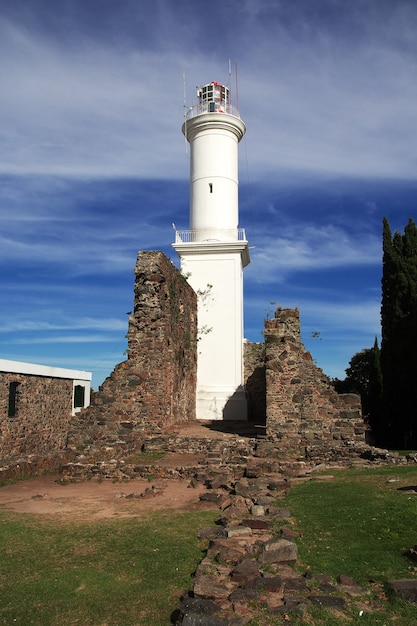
41,418
255,382
302,407
156,385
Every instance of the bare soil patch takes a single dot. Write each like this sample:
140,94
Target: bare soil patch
91,500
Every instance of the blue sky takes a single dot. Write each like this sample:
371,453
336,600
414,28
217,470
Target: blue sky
93,165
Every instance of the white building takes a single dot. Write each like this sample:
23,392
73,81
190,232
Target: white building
81,381
214,252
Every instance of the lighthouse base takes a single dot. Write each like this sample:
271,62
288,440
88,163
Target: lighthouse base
215,272
221,404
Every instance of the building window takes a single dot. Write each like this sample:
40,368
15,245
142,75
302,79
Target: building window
79,396
13,398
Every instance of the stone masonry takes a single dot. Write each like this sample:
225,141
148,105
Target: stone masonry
255,382
302,407
155,386
40,423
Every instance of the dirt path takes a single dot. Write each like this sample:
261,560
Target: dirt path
90,500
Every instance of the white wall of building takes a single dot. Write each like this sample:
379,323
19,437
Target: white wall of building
215,271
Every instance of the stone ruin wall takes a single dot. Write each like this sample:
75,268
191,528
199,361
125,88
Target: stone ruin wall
156,386
302,407
42,419
255,381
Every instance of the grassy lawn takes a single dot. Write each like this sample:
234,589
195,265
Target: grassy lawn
360,524
103,574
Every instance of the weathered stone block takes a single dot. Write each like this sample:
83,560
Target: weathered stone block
206,587
200,612
257,523
329,602
405,589
279,550
245,570
257,510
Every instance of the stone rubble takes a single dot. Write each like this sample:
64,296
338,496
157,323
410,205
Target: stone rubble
251,566
228,455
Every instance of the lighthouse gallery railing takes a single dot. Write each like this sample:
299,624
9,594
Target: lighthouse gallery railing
211,107
210,235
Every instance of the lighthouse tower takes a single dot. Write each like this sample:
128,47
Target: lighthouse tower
214,252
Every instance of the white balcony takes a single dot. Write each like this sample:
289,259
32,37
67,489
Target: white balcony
212,107
210,235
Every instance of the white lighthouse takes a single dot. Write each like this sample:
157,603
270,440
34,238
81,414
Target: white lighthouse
214,252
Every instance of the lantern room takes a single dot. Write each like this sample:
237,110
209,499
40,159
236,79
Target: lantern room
214,98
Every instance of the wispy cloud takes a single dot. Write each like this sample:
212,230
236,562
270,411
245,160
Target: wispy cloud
305,247
81,227
58,339
332,318
113,325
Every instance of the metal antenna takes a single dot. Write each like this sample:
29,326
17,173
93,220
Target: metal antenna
185,112
237,91
183,87
230,86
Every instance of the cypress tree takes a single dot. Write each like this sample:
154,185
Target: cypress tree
374,396
399,336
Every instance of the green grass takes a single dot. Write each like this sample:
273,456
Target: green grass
129,572
360,524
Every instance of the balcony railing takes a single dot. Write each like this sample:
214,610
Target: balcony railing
210,235
211,107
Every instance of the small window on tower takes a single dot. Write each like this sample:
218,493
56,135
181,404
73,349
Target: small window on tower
211,187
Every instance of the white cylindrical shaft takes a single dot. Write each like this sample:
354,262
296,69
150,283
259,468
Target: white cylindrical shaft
214,210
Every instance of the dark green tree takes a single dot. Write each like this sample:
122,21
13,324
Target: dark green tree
373,397
363,376
357,374
399,336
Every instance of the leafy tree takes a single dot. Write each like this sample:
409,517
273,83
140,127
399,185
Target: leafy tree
357,374
399,336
